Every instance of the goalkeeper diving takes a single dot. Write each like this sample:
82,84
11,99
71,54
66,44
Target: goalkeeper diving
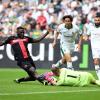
67,77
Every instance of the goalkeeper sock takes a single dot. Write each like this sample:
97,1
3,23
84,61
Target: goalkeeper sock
97,68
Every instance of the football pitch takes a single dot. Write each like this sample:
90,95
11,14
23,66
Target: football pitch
36,91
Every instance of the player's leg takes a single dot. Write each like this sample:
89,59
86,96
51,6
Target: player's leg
24,79
67,49
62,60
30,70
59,63
66,56
38,77
97,82
42,79
96,57
68,60
97,68
92,80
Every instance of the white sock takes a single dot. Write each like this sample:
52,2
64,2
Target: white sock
59,63
69,65
97,68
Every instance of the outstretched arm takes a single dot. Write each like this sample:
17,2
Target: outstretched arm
41,38
55,39
2,43
5,41
56,34
79,43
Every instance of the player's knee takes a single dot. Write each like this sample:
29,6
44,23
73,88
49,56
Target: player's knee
96,61
63,60
68,57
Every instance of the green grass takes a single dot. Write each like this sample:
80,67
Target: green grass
36,91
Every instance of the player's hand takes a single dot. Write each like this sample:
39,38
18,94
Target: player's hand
52,83
78,48
49,29
85,38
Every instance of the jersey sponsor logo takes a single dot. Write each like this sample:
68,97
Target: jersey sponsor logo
19,40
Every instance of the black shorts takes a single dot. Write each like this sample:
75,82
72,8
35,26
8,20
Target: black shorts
28,66
28,62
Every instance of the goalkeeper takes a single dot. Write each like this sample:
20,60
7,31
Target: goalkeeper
73,78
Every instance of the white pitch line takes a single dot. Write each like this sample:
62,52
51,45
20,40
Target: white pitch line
49,92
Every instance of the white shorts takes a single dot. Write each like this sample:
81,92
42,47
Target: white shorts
96,52
95,49
66,48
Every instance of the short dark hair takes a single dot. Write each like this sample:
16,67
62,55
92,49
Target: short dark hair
67,16
55,69
20,27
98,14
94,8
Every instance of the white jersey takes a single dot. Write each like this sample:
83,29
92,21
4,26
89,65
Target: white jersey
68,35
94,33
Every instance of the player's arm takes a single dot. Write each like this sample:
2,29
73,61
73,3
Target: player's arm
48,76
43,36
86,36
80,42
61,77
5,42
56,34
40,38
86,33
55,38
80,38
83,37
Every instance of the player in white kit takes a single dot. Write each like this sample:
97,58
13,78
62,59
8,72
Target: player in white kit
94,33
69,33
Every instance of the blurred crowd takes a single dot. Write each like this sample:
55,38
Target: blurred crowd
37,15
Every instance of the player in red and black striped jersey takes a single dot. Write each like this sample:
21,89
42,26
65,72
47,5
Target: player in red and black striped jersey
22,56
